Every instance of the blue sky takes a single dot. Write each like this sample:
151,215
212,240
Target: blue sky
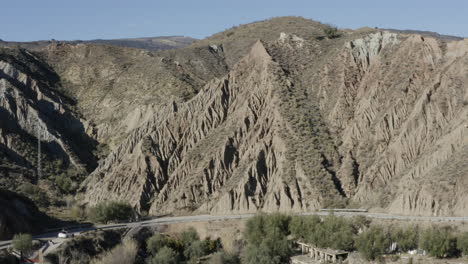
25,20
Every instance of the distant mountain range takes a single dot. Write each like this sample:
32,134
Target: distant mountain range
150,43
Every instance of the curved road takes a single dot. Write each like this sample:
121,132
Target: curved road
206,218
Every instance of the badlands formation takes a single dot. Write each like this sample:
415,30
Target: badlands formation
269,116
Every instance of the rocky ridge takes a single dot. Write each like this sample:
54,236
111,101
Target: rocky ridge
223,151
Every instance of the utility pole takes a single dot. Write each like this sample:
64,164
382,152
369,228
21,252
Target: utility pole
39,173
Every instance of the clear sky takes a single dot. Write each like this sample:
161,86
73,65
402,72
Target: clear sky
25,20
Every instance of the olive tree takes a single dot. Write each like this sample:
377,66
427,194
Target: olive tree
111,211
373,243
22,243
155,243
439,242
462,243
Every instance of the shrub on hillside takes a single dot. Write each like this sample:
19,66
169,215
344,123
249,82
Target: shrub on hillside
165,255
331,31
112,211
155,243
65,183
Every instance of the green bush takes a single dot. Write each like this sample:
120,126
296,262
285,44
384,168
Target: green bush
66,184
112,211
22,243
333,232
302,227
331,31
165,255
155,243
196,250
462,243
439,242
373,243
189,236
36,194
266,237
406,239
260,254
224,258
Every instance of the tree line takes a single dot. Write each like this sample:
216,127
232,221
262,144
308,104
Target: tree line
269,238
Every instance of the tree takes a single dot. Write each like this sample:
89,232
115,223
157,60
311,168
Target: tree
112,211
224,258
297,227
278,224
196,250
372,243
22,243
165,255
260,254
406,239
333,232
439,242
155,243
254,229
267,241
462,243
189,236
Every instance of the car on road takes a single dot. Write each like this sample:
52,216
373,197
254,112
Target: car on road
64,234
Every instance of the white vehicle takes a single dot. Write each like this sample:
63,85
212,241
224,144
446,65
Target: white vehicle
64,234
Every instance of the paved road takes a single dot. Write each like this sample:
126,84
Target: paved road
205,218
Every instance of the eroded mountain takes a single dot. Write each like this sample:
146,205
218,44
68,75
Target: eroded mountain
270,116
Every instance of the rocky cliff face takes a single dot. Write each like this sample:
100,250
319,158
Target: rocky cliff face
226,150
292,122
31,108
400,109
377,119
